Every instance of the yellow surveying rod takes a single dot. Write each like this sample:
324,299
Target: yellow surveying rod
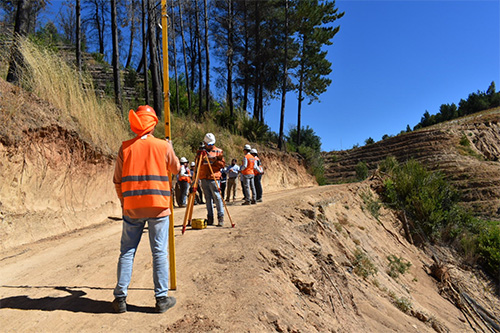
166,107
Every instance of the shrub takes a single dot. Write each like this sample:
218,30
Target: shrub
371,204
397,265
361,171
363,266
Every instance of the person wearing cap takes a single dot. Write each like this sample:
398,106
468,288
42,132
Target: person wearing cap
232,175
258,172
209,180
143,187
184,178
247,173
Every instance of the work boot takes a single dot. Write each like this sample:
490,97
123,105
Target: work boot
119,304
220,220
246,203
210,220
253,202
164,303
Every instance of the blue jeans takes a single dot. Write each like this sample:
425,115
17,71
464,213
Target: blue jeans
249,186
212,195
158,240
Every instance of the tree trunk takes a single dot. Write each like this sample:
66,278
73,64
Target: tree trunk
78,36
198,43
230,53
174,56
207,56
186,71
116,57
132,34
246,83
144,53
20,31
256,111
157,100
284,86
300,99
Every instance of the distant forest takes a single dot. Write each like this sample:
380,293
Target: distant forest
476,102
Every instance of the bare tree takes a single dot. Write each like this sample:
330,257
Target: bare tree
78,36
207,61
185,56
198,43
116,57
144,52
131,18
153,50
284,83
174,53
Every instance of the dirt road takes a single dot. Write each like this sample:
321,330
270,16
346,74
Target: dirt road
279,269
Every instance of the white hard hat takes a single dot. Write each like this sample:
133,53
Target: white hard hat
193,164
253,151
209,139
183,160
247,147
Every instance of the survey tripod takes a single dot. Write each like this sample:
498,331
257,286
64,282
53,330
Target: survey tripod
202,154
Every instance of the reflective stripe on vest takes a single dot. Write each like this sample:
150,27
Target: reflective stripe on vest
145,181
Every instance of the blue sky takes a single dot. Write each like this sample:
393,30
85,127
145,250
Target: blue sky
392,61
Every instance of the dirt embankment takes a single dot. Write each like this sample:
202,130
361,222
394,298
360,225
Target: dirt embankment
54,182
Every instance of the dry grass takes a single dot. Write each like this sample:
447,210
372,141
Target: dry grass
51,78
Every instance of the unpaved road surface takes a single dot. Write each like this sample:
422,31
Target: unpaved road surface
284,267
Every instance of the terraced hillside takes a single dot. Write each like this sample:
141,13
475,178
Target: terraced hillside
466,150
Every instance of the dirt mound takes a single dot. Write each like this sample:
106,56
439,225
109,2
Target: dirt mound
466,150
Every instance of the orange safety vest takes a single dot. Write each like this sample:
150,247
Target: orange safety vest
145,180
186,178
250,163
214,163
257,168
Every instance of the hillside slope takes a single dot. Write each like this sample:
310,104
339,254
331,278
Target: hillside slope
466,150
291,264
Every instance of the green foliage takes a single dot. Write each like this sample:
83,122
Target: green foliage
397,265
402,303
130,78
369,141
464,141
432,206
371,204
361,171
308,138
489,246
363,266
476,102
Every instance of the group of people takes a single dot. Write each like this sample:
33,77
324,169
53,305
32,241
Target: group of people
249,173
142,184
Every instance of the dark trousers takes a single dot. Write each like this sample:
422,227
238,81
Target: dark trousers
258,186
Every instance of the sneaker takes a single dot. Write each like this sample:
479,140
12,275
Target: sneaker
220,221
119,304
246,203
210,220
259,200
164,303
253,202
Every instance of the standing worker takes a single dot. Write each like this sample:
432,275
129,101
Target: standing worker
142,185
208,179
232,175
258,172
248,176
184,181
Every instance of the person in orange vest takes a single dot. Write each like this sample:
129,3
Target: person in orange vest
258,172
247,175
143,187
208,179
184,179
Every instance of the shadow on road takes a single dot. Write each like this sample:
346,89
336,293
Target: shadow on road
74,302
